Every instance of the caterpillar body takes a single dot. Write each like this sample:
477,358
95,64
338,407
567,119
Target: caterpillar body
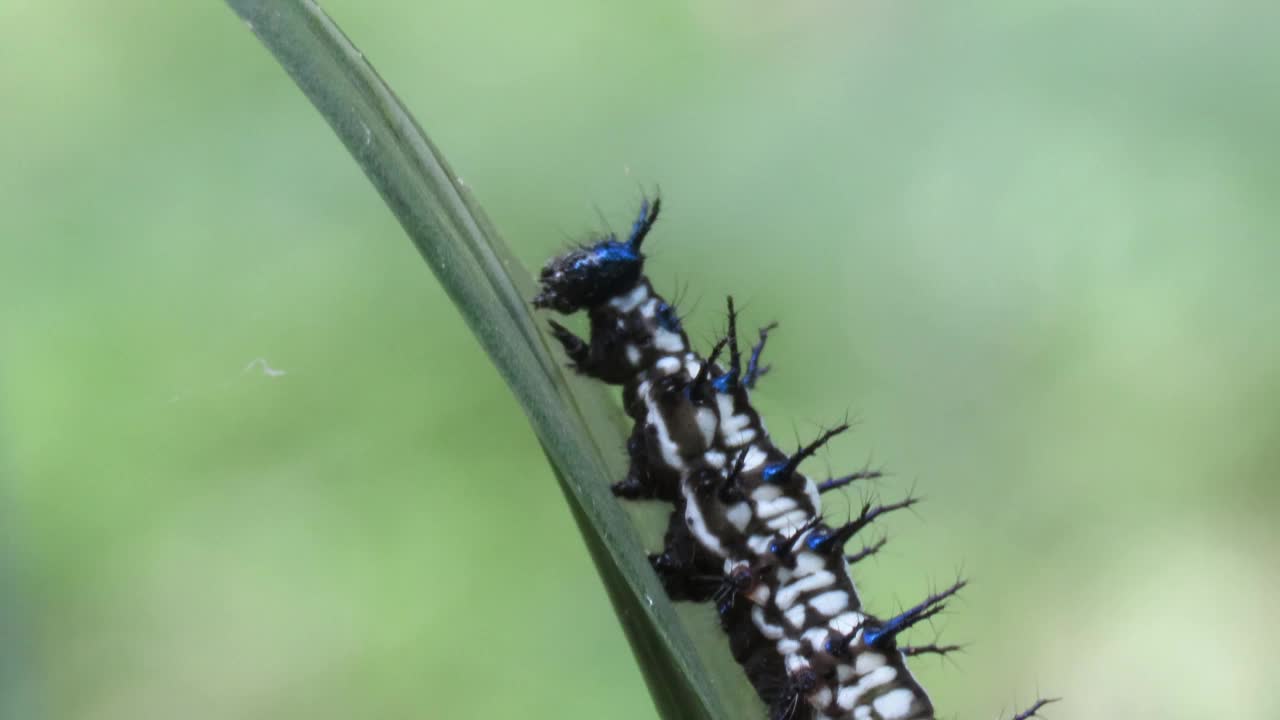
747,530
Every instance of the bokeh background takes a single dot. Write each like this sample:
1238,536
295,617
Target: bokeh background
254,466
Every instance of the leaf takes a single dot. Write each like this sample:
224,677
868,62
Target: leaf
576,421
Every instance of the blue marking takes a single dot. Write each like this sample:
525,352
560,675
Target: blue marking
753,365
816,540
611,252
772,471
775,548
890,627
725,383
667,319
871,637
604,254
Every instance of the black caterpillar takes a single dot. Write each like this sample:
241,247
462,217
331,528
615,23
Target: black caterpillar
747,531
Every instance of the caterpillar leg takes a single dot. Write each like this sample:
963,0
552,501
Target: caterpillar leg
637,484
575,347
645,478
688,572
599,359
790,703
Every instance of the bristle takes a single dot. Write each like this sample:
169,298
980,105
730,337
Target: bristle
704,372
730,490
930,649
754,370
783,546
833,542
903,621
1034,709
866,552
837,483
644,222
728,382
782,472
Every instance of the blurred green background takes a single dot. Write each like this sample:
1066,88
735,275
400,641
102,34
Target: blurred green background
1030,246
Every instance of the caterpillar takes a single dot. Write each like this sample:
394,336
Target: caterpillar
746,531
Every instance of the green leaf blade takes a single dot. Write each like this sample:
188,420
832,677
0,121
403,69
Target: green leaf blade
578,424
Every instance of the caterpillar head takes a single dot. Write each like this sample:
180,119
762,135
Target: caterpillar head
592,275
589,276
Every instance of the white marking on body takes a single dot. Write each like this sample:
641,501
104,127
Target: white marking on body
734,427
714,458
771,632
724,403
795,663
862,712
668,365
670,451
668,341
698,526
876,678
844,673
773,508
707,424
821,698
793,519
811,489
830,603
759,594
759,544
895,703
845,623
787,646
808,563
816,637
692,365
630,301
765,493
739,515
852,693
649,309
633,354
868,661
788,594
848,696
795,616
754,459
